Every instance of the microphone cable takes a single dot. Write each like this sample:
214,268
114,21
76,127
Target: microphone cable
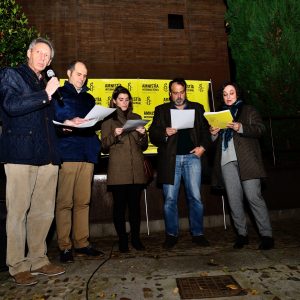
100,265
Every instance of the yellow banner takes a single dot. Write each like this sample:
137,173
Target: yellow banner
147,94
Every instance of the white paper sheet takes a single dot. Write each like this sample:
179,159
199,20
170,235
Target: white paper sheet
182,118
133,124
96,114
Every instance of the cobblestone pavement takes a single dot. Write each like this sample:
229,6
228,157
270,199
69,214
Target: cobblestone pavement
273,274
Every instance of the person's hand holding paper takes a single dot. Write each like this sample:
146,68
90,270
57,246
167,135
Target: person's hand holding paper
219,119
133,124
96,114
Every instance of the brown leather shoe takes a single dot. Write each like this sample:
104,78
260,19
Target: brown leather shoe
49,270
25,278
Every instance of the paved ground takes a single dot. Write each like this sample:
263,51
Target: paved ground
152,274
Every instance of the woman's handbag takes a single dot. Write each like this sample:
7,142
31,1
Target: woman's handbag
148,170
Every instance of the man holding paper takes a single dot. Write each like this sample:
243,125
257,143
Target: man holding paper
181,145
79,149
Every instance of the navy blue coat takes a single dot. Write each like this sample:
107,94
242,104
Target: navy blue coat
82,144
28,134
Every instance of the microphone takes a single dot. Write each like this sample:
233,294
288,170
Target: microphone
50,74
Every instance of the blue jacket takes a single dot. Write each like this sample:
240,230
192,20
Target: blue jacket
28,134
82,144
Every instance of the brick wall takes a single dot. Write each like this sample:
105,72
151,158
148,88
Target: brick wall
131,39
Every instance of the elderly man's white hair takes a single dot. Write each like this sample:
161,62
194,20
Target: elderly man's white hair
42,40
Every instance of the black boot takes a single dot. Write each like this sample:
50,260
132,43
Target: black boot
137,244
135,223
120,227
122,234
267,243
123,243
240,241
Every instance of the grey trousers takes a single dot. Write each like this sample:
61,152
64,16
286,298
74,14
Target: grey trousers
236,189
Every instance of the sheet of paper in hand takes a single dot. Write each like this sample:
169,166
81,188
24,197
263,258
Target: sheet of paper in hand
219,119
182,118
96,114
133,124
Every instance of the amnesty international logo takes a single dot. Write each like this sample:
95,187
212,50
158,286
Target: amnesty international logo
109,87
129,86
166,87
148,100
200,88
91,86
150,87
190,88
146,93
136,100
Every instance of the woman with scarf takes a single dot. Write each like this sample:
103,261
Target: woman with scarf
239,167
125,176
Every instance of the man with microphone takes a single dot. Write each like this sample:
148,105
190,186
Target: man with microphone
79,150
29,151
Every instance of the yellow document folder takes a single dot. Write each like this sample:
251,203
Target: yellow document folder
219,119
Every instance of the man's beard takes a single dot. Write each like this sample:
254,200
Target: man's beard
179,102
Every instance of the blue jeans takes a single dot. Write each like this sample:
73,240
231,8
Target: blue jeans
189,168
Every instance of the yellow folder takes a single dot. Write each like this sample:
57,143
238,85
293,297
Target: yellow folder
219,119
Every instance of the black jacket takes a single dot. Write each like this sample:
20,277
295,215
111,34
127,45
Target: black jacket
247,148
167,148
28,135
82,144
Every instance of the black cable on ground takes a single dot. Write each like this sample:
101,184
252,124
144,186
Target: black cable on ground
100,265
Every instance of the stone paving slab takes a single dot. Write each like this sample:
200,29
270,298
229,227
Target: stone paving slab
270,275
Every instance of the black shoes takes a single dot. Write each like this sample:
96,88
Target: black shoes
200,240
123,243
267,243
123,248
66,256
170,241
240,241
88,251
137,244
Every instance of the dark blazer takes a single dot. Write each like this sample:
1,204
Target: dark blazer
28,135
82,144
246,146
167,147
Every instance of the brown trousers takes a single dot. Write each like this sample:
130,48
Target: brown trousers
72,204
